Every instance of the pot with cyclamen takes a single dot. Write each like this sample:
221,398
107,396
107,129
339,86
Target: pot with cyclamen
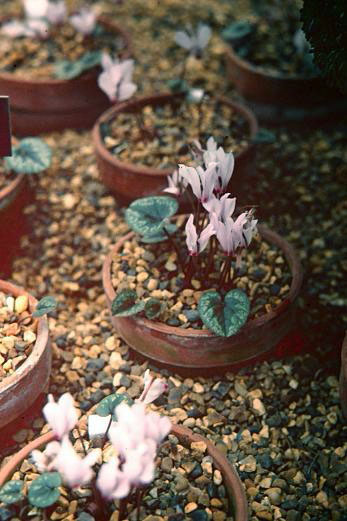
55,93
203,320
133,440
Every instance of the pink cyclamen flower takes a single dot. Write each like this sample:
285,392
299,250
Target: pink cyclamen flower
244,228
38,27
194,243
75,471
157,427
201,181
139,465
116,79
224,234
16,29
56,12
61,416
112,482
84,21
45,460
153,388
194,43
35,8
225,164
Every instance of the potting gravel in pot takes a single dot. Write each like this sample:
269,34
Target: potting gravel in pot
25,351
122,462
139,143
204,292
270,63
29,156
50,63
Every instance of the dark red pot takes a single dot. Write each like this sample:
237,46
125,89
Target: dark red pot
231,479
278,98
199,351
45,105
128,181
343,377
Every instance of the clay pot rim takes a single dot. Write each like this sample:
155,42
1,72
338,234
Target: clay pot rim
287,250
13,185
40,343
53,82
160,99
259,72
230,475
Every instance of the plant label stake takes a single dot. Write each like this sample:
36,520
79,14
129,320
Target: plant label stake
5,127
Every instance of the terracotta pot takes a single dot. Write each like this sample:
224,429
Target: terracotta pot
45,105
128,181
231,479
187,350
19,390
343,377
13,199
278,97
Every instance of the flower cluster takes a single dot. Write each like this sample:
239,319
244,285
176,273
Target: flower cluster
39,14
135,436
116,78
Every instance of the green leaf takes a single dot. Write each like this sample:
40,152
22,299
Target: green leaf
107,405
224,318
11,492
44,306
124,304
153,308
237,31
90,59
44,491
31,156
177,85
66,70
148,215
264,136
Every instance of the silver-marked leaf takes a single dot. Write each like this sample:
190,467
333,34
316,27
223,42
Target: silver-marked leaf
90,59
44,306
31,156
226,317
44,491
124,304
148,215
153,308
159,237
107,405
236,32
12,491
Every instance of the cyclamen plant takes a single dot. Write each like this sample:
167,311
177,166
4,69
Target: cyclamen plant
134,434
214,239
31,156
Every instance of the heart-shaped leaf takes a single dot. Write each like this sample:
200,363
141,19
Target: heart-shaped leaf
44,306
153,308
177,85
224,318
124,304
237,31
11,492
90,59
44,491
66,70
31,156
107,405
148,215
161,236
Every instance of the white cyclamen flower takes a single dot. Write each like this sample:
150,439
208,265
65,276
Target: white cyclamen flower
244,228
35,8
75,471
61,416
45,461
225,162
116,79
56,12
16,29
111,481
153,388
177,184
139,465
38,27
223,207
194,43
224,234
201,181
84,21
196,245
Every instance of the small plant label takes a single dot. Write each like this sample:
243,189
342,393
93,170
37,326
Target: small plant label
5,127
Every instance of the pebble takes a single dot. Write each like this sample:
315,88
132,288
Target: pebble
21,304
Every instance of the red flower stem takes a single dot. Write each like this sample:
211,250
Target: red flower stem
175,247
81,440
